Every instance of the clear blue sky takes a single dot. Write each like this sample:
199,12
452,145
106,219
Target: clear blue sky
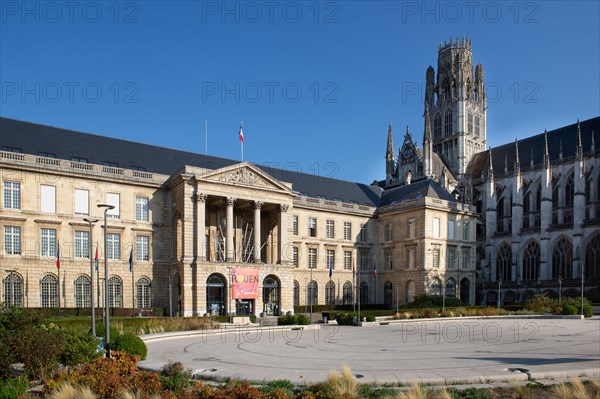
315,83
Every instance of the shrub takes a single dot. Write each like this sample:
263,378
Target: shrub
14,387
343,383
100,332
433,301
370,317
301,319
283,385
175,377
345,319
131,344
39,350
7,357
541,303
80,347
572,306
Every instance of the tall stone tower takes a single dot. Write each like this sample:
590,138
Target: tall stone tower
456,105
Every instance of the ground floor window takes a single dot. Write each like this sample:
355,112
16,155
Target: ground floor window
13,290
115,292
143,293
271,296
330,293
347,293
82,292
312,293
49,291
215,295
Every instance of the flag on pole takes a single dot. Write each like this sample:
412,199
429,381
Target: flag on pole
58,255
375,271
131,260
96,258
330,268
241,134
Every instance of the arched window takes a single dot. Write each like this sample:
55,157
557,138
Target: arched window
296,293
504,263
115,292
49,291
500,209
410,291
143,293
538,198
388,293
592,258
569,191
271,295
436,287
448,123
562,259
216,288
531,261
313,293
555,196
437,126
82,292
451,287
347,293
330,293
13,290
364,293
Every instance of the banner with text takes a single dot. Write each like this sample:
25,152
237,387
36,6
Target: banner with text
244,283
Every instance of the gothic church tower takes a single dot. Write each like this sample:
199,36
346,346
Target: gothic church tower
456,105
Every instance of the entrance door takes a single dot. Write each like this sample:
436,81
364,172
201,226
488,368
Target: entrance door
244,307
271,296
465,291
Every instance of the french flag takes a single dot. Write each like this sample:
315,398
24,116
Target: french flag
241,134
58,255
96,258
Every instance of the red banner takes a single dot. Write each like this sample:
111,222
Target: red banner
244,283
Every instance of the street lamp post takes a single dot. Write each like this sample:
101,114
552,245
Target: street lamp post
106,207
90,245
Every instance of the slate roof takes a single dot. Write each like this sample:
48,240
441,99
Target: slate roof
33,138
534,146
422,188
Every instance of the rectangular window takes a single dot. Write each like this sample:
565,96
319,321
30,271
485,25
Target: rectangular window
330,259
82,203
477,128
48,244
12,240
48,199
330,229
363,232
466,226
312,258
411,228
114,200
451,229
312,227
295,225
388,260
113,246
466,258
451,258
347,231
436,258
347,260
363,260
81,244
295,259
388,232
141,209
436,228
142,248
12,195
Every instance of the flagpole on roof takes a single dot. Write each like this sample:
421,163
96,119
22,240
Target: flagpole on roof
242,139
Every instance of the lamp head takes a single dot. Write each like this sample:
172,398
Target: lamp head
90,221
107,206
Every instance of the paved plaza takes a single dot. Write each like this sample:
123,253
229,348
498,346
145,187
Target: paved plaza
434,352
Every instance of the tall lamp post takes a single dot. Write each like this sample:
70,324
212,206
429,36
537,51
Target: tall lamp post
90,248
106,207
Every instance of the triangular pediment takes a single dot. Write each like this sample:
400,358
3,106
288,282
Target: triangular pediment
246,174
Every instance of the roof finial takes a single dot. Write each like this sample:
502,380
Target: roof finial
593,148
517,162
427,133
579,145
531,163
560,149
546,152
491,166
389,153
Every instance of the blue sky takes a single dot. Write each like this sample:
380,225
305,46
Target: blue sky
315,83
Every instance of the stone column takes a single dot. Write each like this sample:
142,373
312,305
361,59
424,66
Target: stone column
257,206
230,250
283,239
200,226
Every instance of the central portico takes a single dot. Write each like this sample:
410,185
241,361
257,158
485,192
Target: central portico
230,221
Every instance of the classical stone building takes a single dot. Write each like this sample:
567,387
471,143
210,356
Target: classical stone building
194,225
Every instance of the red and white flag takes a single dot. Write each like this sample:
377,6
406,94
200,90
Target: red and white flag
241,134
57,255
